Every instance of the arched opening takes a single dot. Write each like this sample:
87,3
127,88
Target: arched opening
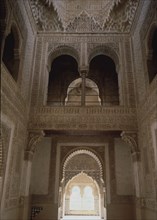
75,199
64,70
102,70
82,187
88,199
74,93
152,55
11,53
82,197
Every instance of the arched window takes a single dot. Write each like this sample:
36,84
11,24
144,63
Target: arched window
152,55
11,53
102,71
74,93
79,201
75,199
88,199
64,70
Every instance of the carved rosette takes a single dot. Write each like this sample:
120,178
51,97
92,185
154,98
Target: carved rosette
34,137
130,137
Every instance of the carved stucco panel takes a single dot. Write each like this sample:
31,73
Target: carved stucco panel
84,121
88,16
82,161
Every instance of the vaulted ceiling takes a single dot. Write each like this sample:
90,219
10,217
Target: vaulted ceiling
84,15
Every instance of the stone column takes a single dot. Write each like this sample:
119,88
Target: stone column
34,137
83,73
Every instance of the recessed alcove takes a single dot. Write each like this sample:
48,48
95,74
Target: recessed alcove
81,196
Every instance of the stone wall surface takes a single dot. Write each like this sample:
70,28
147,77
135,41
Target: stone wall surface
14,115
146,96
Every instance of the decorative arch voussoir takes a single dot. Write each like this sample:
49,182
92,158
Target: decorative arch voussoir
83,151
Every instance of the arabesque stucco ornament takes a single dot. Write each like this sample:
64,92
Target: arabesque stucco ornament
84,15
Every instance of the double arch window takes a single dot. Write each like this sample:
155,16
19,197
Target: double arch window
96,86
82,199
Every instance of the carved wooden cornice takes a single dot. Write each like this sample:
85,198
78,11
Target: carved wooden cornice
34,137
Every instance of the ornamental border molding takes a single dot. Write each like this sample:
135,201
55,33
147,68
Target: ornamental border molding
79,38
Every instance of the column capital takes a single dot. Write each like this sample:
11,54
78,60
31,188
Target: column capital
130,137
83,70
34,137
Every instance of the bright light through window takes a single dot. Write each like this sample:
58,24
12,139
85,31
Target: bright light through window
75,199
88,199
81,202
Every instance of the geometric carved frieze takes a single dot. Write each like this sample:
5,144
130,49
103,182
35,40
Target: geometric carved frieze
83,118
34,137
